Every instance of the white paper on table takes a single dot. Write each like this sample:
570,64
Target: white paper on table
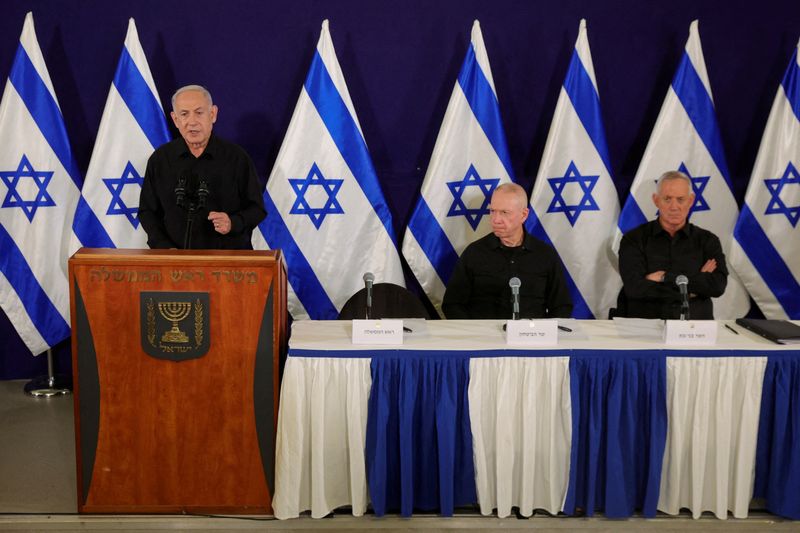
640,328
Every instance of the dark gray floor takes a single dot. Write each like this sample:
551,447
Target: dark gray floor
38,492
37,452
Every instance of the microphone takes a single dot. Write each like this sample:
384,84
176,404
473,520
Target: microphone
369,278
202,193
515,284
180,191
683,283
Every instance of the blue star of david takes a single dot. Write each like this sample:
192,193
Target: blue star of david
776,205
12,179
330,186
699,184
457,188
115,186
559,204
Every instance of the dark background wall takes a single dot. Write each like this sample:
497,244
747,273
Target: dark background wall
400,60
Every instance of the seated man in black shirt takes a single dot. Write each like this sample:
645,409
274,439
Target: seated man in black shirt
479,287
218,179
654,254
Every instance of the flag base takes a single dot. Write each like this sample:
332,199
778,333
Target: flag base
46,386
49,385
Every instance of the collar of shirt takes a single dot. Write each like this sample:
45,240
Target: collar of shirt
210,150
656,230
527,242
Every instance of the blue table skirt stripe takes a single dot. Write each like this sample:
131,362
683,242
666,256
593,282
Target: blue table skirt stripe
619,428
419,441
778,450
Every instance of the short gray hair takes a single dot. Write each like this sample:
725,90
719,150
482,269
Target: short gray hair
672,175
198,88
516,190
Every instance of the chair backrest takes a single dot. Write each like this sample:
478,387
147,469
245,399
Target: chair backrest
621,310
388,301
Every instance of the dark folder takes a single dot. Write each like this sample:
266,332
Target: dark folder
778,331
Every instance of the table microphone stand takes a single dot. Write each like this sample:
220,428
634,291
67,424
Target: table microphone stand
684,310
369,279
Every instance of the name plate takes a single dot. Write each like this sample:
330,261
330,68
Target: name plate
542,332
691,332
378,331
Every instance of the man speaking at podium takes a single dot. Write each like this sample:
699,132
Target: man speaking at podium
658,256
479,286
199,191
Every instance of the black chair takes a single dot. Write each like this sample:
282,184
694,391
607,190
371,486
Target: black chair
621,310
388,301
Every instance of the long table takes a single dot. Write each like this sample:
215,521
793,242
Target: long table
600,422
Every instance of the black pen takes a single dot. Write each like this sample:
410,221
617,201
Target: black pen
730,328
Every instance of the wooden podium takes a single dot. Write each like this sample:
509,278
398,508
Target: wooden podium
175,367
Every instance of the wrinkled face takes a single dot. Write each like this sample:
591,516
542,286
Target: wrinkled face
674,201
194,116
507,212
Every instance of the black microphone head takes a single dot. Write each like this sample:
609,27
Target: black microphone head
369,278
202,193
180,190
202,186
514,283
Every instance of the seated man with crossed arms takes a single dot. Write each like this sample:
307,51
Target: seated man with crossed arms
654,254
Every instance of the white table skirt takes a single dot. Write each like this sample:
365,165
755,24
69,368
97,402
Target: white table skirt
521,418
319,459
713,406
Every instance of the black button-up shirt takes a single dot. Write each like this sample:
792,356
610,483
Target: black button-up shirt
649,248
233,189
479,287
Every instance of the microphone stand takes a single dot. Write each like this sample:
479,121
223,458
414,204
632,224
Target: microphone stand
515,284
369,301
683,284
515,311
685,308
187,236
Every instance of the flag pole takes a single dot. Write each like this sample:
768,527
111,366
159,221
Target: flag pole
49,385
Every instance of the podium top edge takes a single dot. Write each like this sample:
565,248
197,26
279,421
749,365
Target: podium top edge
93,255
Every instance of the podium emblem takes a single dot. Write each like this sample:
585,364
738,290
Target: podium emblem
174,325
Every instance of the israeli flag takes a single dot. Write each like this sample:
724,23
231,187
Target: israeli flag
574,200
39,189
766,251
325,207
132,126
470,159
686,137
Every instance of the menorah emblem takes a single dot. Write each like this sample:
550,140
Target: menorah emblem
175,312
